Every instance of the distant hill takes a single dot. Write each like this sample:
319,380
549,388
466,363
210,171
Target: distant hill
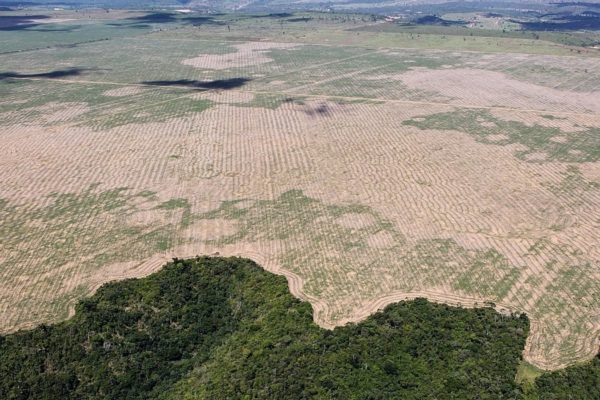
364,6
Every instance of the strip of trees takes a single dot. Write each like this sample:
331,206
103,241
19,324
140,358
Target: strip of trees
223,328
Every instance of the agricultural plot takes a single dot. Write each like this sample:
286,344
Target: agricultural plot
363,173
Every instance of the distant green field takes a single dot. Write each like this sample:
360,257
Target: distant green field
565,38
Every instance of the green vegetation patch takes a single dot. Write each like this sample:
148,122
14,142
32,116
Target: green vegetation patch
489,273
93,225
63,231
580,382
269,101
160,111
527,374
174,203
223,328
573,182
214,328
29,102
67,35
342,251
551,143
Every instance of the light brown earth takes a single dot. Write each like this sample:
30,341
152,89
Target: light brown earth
124,91
466,86
356,208
225,96
246,55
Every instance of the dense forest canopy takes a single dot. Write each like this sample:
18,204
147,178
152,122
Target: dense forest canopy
223,328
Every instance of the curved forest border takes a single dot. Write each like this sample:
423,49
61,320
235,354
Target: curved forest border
224,328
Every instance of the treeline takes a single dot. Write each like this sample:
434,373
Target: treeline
578,382
223,328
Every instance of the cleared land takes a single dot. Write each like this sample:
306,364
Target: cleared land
366,168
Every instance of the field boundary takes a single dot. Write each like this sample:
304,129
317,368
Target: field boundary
321,308
318,96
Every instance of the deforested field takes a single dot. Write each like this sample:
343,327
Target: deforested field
365,167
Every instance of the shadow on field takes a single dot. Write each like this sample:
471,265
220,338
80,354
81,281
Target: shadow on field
275,15
20,22
59,73
205,85
322,110
166,17
434,20
299,19
32,23
129,25
564,22
576,4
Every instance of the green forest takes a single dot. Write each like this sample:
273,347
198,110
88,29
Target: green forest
224,328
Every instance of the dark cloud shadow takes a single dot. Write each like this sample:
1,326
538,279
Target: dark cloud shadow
49,29
299,19
130,25
576,4
278,15
434,20
322,110
59,73
20,22
558,22
165,17
158,17
223,84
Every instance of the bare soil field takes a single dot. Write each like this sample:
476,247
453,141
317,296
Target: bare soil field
365,176
247,54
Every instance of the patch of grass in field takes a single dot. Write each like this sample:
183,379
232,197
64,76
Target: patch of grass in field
69,206
179,203
489,273
580,284
149,194
68,34
159,239
462,38
534,281
61,306
269,101
566,38
552,72
30,101
91,225
368,74
527,373
345,101
481,124
539,246
573,182
331,248
174,204
288,217
159,111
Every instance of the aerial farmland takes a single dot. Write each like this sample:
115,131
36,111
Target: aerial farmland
365,163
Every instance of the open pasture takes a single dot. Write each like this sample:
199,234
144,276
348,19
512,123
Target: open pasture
366,170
